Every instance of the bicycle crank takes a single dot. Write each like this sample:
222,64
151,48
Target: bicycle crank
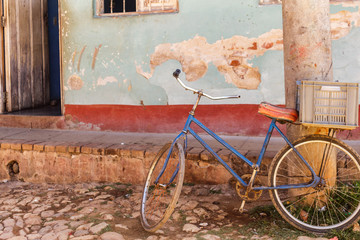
251,195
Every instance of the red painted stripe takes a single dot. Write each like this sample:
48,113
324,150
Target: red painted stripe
232,119
241,119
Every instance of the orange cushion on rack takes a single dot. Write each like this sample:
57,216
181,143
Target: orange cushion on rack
279,113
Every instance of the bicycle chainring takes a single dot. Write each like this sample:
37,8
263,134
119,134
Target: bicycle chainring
253,195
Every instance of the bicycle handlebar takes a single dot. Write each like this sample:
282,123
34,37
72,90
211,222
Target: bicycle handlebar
176,75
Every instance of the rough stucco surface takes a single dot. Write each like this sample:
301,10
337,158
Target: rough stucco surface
129,60
230,56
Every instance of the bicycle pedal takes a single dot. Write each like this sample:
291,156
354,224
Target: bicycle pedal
241,209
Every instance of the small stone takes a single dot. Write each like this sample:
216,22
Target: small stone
86,237
85,226
33,219
108,217
65,209
204,224
9,222
201,212
192,219
121,226
152,237
45,230
49,236
33,236
47,214
211,237
20,223
189,205
210,206
77,217
356,227
64,235
87,210
97,228
191,228
79,233
4,214
18,238
112,236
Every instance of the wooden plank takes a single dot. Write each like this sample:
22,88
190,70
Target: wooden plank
11,55
24,46
2,64
37,53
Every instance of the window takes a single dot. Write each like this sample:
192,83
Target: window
134,7
269,2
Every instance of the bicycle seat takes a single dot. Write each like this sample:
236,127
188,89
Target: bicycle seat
281,114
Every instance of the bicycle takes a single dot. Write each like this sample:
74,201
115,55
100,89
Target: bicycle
316,193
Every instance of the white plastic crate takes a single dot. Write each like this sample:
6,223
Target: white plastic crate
328,104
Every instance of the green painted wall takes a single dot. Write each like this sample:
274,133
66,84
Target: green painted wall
127,44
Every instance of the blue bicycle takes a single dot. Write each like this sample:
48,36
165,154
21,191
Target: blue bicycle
314,182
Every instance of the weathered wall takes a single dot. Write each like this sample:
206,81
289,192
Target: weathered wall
227,47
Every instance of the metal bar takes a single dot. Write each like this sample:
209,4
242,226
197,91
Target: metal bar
167,158
222,162
266,142
220,140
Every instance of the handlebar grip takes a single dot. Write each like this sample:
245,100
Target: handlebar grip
177,73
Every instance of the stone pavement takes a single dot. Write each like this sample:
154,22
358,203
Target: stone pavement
95,211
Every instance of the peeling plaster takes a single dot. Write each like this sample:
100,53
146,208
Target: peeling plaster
109,79
231,56
75,82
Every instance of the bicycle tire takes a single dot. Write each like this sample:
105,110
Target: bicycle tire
334,204
154,214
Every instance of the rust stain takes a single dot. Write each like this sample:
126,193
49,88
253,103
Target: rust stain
75,82
79,61
267,45
73,58
95,55
254,46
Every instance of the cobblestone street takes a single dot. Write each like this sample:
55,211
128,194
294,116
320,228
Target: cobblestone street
111,212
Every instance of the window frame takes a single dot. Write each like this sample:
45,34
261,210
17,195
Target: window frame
99,10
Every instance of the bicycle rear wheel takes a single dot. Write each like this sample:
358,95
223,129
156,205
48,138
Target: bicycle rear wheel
335,202
162,191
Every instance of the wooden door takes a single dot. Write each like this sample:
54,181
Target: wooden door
26,54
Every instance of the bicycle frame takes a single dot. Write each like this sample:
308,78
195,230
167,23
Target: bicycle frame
187,129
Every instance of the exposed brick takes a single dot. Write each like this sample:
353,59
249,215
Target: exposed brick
86,149
27,147
16,146
38,147
74,149
61,149
6,145
49,148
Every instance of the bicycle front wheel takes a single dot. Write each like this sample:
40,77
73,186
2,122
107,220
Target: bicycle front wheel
335,202
162,187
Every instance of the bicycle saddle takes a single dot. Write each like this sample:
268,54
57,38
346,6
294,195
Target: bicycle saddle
279,113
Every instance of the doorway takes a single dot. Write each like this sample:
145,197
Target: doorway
31,53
